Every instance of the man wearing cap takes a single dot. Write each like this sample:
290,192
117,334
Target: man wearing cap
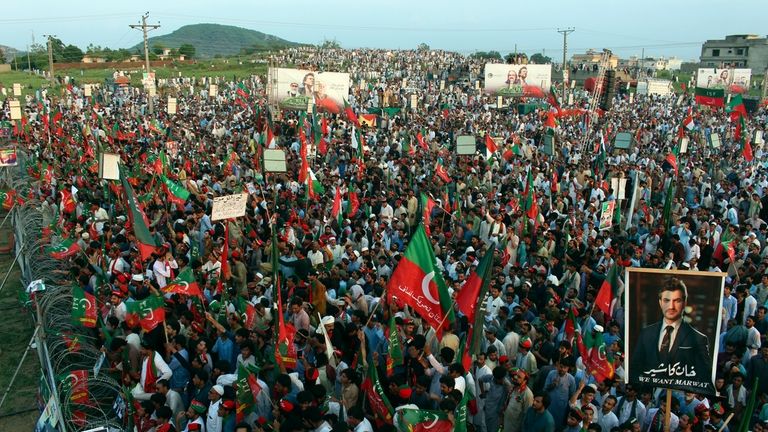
525,359
629,406
213,421
194,417
227,416
672,341
520,399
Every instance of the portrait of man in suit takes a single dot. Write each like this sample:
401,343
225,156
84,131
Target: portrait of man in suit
672,349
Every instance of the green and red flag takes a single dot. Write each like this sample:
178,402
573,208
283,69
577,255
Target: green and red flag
667,212
570,323
710,97
395,351
351,114
418,283
177,193
490,146
552,97
672,157
75,383
314,187
47,172
736,107
746,146
441,172
148,313
7,198
83,308
185,283
377,399
420,138
146,242
594,355
610,291
65,249
336,209
247,312
530,206
418,420
472,294
247,389
461,414
427,204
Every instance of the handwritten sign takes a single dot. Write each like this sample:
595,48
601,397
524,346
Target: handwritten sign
229,206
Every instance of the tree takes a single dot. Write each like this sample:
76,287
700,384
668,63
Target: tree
489,55
187,50
71,54
422,47
157,48
330,44
539,58
520,58
2,56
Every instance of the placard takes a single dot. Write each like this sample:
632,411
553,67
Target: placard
619,184
758,137
477,85
152,91
16,89
570,98
213,89
171,105
173,148
683,145
631,98
499,101
274,160
109,166
548,146
87,90
466,145
8,157
686,301
715,139
15,109
606,216
442,85
362,84
229,206
414,101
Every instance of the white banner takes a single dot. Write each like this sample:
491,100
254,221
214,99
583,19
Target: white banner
229,206
297,88
732,80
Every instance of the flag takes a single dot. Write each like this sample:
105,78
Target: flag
351,114
469,297
441,172
746,147
75,383
570,323
354,202
336,209
177,193
490,146
83,308
377,399
148,312
418,420
552,97
427,204
395,351
184,283
421,140
688,121
609,291
46,171
710,97
146,243
7,198
672,158
270,140
746,418
594,355
736,106
367,119
529,194
314,186
245,399
461,414
243,91
247,312
417,282
65,249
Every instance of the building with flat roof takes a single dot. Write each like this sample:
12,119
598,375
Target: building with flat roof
738,51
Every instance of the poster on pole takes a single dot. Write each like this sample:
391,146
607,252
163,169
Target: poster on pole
171,105
517,80
671,336
8,157
732,80
229,206
15,107
294,89
606,215
16,89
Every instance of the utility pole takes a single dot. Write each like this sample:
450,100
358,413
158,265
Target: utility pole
565,33
144,27
50,55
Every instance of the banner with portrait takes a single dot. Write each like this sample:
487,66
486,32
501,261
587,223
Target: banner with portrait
295,89
672,330
528,80
732,80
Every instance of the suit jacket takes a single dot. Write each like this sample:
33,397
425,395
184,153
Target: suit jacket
690,348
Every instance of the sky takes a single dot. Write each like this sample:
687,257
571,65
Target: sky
661,28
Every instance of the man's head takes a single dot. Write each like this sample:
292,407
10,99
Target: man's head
672,298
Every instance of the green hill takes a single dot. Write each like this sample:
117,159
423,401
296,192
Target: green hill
215,39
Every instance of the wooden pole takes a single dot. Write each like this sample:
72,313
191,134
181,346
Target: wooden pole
667,411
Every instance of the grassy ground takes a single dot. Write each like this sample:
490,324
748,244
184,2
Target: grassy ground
228,68
15,333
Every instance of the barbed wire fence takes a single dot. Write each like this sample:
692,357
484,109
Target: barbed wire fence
66,351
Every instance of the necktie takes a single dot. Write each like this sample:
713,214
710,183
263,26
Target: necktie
666,339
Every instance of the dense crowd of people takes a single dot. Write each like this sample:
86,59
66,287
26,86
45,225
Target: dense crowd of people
330,277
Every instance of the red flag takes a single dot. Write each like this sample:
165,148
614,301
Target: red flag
609,291
441,172
421,140
490,144
351,114
468,297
